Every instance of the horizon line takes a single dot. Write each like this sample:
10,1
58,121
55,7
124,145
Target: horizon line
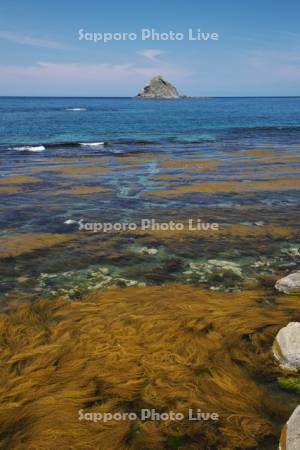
199,97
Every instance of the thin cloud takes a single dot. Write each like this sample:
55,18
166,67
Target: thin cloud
90,71
276,64
23,39
151,53
69,78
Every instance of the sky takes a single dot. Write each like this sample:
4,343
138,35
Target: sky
257,52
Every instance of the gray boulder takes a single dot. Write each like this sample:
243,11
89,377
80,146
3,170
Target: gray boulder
159,88
286,347
290,283
290,436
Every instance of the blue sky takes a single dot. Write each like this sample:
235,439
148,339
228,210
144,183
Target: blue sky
258,51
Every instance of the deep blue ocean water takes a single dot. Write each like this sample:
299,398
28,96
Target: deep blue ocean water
226,120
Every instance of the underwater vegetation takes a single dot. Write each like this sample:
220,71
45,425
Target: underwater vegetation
70,169
229,186
90,321
172,347
19,180
70,263
290,383
18,244
10,190
82,190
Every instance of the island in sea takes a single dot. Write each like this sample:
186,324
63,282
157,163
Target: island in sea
158,87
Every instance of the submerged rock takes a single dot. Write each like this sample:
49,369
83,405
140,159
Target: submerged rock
286,347
159,88
76,283
290,283
290,436
226,265
218,274
149,251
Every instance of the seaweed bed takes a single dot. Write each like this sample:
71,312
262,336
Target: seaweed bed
170,347
118,322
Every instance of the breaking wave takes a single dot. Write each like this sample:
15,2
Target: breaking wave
91,144
75,109
30,148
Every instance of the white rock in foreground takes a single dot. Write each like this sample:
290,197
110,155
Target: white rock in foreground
290,283
286,347
290,436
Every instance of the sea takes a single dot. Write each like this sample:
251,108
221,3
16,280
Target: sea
65,161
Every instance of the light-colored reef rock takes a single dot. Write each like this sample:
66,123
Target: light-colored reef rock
286,347
75,283
218,274
149,251
159,88
290,436
290,283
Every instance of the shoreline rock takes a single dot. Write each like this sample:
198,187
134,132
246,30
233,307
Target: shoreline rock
290,435
289,284
286,347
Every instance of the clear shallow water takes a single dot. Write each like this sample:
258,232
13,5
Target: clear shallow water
149,158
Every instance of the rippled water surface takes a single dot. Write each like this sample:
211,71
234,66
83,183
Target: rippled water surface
233,161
